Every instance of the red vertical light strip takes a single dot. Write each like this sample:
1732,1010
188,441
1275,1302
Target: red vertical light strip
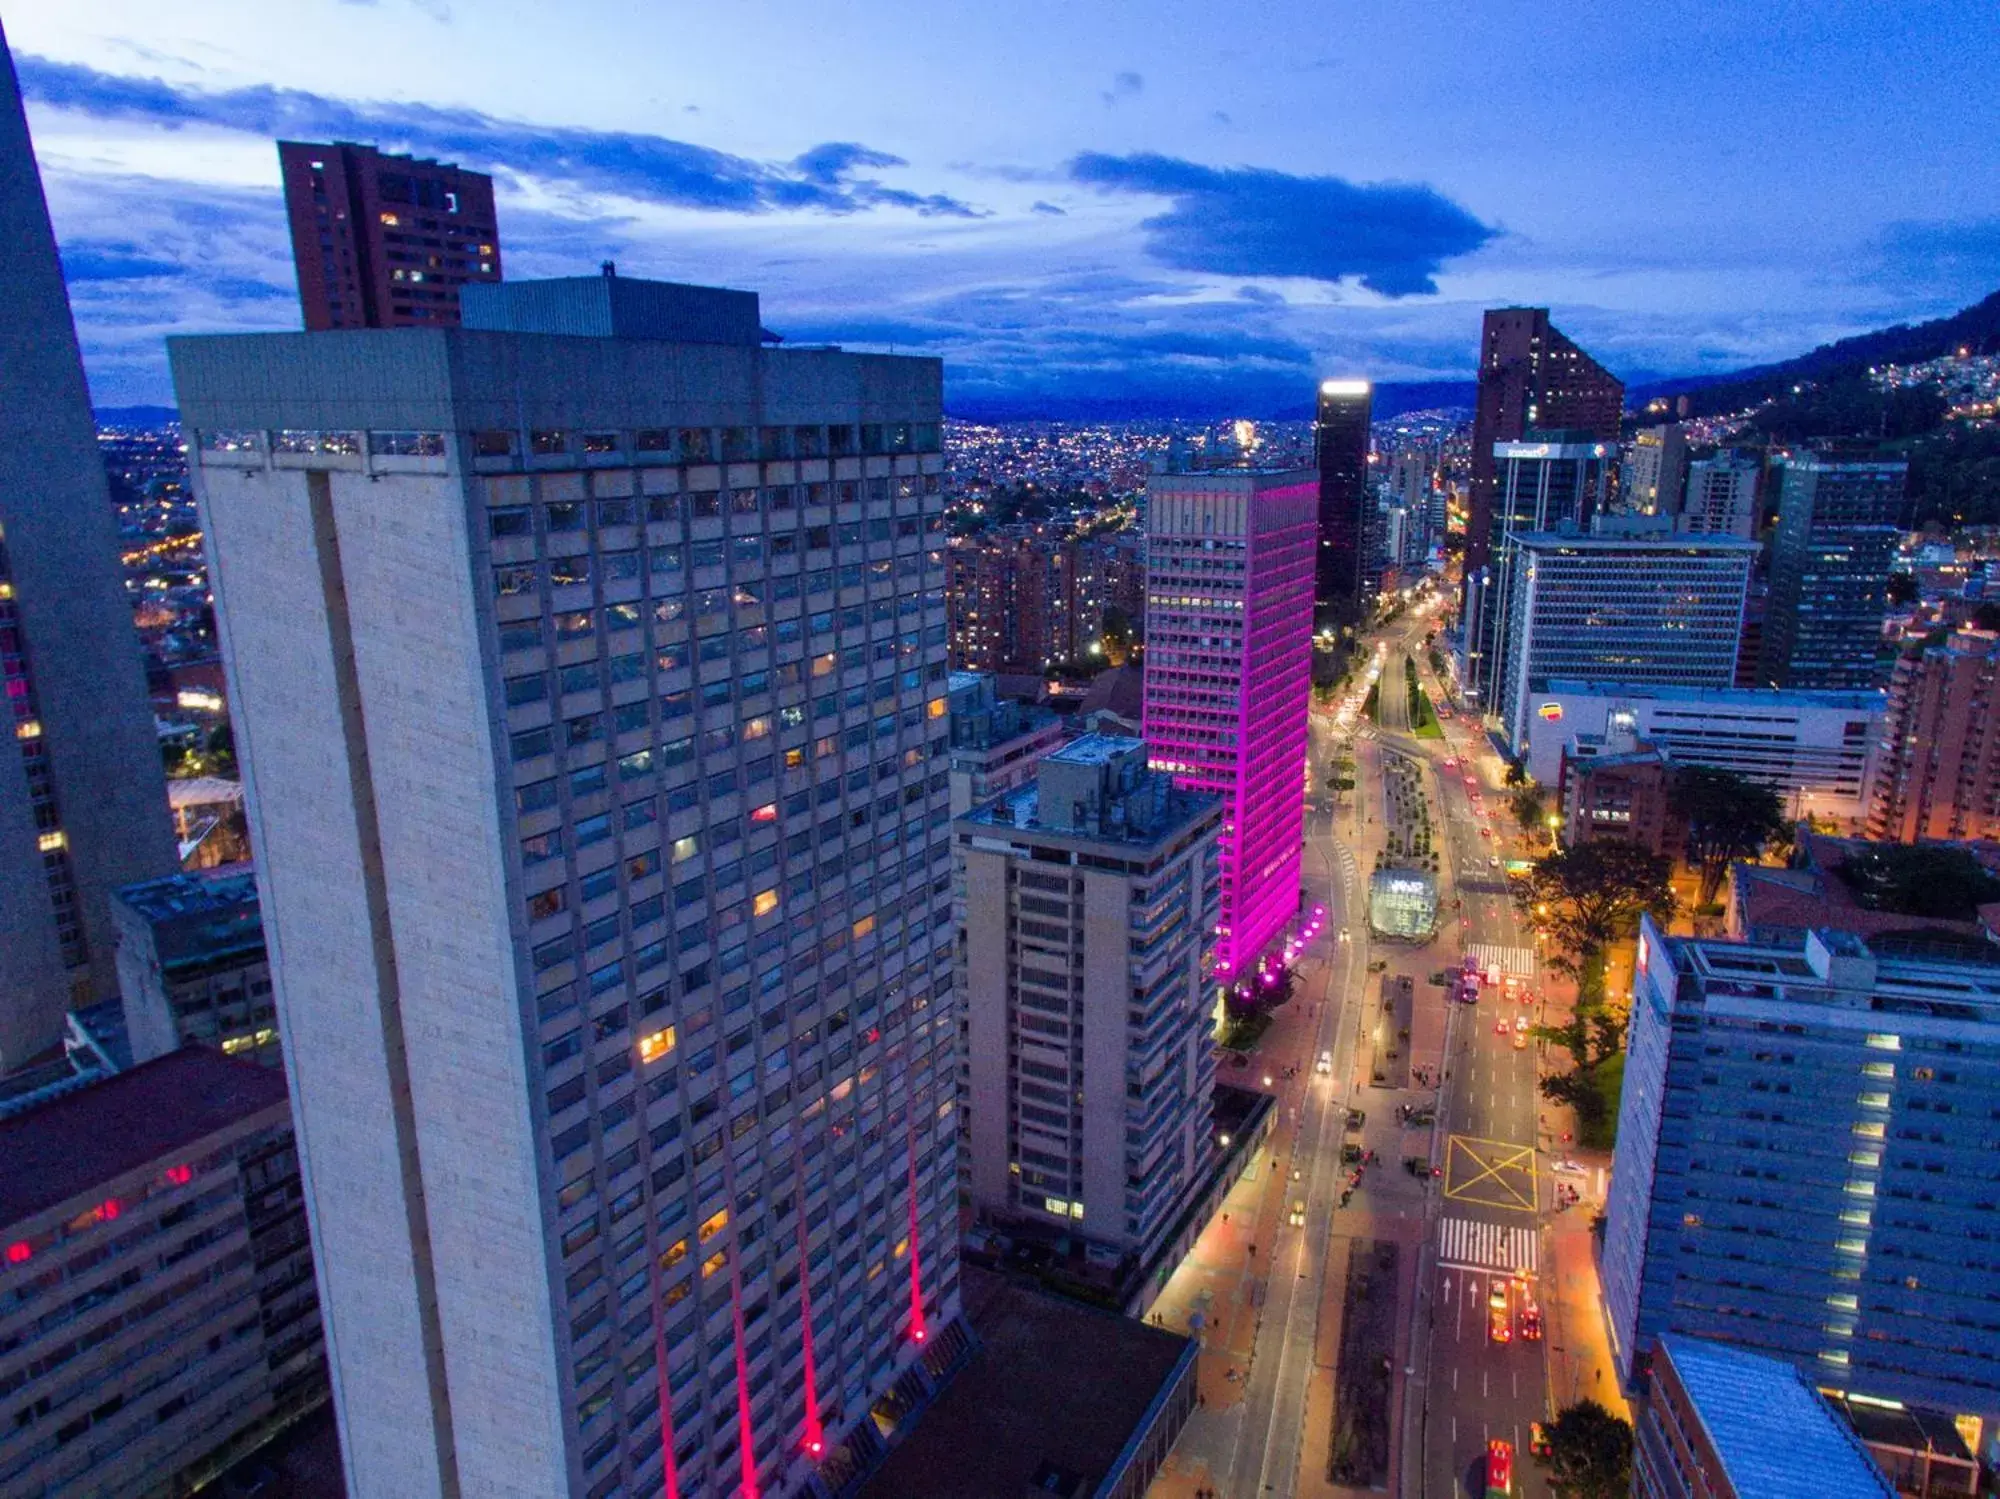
815,1438
917,1330
669,1470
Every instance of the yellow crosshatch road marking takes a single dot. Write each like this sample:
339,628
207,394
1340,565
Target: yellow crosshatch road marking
1493,1173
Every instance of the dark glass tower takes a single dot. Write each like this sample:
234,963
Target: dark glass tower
1347,568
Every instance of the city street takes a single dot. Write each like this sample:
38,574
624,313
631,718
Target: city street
1271,1300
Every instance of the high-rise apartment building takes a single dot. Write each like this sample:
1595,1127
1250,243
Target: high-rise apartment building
1633,609
1720,497
1346,566
384,241
1531,378
1229,581
591,692
83,802
1557,481
1937,766
1022,598
1655,470
192,967
1091,897
157,1313
1805,1164
1716,1422
1838,522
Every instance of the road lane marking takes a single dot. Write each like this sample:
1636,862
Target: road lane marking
1473,1244
1492,1173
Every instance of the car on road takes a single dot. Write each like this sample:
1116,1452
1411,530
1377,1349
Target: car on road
1567,1167
1500,1026
1499,1326
1499,1469
1531,1323
1325,1063
1538,1441
1492,861
1520,1041
1451,762
1343,934
1521,1023
1298,1215
1485,831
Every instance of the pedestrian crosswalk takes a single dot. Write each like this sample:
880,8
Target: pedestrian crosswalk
1518,960
1468,1244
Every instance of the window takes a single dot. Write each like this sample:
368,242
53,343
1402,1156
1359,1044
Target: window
548,443
512,582
656,1044
515,520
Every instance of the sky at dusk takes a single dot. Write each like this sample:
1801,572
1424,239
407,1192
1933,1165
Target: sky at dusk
1080,205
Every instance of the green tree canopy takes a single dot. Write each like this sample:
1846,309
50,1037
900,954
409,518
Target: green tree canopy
1924,879
1727,817
1590,1453
1583,897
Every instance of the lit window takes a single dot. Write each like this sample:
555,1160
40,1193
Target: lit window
764,903
1886,1043
390,221
1056,1205
937,707
714,1263
1076,1210
657,1045
1873,1100
766,813
50,842
686,848
1869,1130
19,1254
28,728
1878,1069
713,1226
863,927
675,1253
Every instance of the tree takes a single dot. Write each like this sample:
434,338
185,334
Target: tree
1529,806
1727,817
1902,588
1585,896
1590,1453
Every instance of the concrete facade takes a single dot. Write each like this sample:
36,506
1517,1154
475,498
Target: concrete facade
157,1313
591,695
83,802
1812,748
1089,899
192,967
1937,767
996,742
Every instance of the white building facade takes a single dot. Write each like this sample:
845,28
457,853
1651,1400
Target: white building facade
591,694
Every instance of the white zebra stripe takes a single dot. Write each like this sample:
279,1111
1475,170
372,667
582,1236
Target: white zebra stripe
1515,960
1473,1244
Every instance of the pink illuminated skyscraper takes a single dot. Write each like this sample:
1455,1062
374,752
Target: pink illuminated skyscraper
1229,604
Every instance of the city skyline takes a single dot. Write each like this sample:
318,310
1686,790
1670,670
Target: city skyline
1138,215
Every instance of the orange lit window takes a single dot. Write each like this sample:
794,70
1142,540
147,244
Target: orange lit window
823,665
863,927
794,758
28,729
902,1248
714,1263
766,813
937,707
50,842
764,903
675,1294
656,1045
389,220
676,1252
714,1226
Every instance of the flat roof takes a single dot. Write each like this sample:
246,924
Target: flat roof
190,895
1742,697
1643,541
73,1143
1094,749
1776,1437
1054,1385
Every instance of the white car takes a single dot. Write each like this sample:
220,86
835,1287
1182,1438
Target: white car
1568,1168
1325,1062
1343,934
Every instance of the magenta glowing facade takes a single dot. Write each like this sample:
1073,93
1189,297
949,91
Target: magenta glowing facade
1229,605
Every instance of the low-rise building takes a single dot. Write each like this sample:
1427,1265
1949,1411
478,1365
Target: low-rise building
192,967
1620,787
1090,898
158,1315
1721,1423
1811,747
1836,882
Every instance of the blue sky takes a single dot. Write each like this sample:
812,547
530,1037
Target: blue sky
1098,201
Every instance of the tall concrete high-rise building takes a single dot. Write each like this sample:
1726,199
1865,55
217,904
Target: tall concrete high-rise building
83,802
1657,609
383,241
591,692
1655,470
1229,583
1552,481
1531,377
1091,898
1346,566
1805,1164
1720,497
1838,521
1936,772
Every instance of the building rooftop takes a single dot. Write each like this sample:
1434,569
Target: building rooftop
1095,749
613,306
1865,700
1644,540
1056,1388
1776,1437
199,919
70,1145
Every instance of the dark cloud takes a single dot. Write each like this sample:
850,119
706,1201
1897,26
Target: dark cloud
1242,221
111,260
1038,206
1963,255
1123,86
649,168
